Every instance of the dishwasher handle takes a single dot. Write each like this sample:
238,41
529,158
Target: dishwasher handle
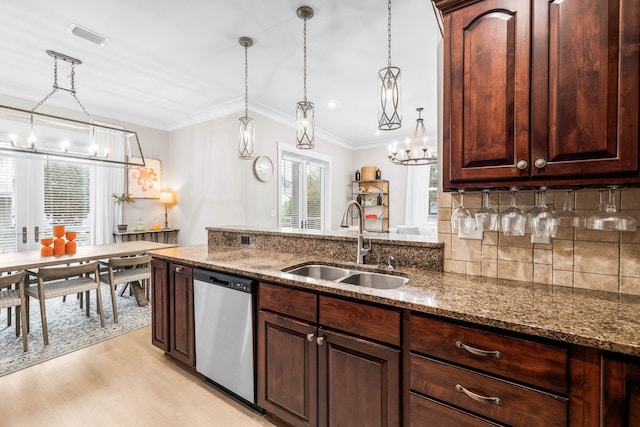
215,278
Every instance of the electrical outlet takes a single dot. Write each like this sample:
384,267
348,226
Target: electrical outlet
244,240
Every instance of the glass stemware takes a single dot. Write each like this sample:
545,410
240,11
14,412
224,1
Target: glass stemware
543,221
513,220
461,217
610,218
487,216
567,217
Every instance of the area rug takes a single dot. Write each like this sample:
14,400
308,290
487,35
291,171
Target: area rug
69,329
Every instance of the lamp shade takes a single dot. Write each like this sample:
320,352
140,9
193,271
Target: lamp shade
167,197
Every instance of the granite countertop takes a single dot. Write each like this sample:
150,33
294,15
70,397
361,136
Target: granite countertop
602,320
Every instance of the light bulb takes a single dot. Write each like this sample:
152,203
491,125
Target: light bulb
13,138
32,140
106,152
93,150
64,145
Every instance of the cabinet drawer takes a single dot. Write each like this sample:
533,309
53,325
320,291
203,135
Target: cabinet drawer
518,405
533,363
426,412
376,323
292,302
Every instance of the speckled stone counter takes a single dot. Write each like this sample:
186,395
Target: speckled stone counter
601,320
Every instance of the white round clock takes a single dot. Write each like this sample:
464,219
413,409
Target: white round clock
263,168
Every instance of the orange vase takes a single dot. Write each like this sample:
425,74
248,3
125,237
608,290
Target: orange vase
58,247
46,251
58,231
70,247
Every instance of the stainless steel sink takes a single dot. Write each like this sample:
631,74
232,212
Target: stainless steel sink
319,271
352,277
375,280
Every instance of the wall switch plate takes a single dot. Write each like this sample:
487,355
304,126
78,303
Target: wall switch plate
244,240
473,234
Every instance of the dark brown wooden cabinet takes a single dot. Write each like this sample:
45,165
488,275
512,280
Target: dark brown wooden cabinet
540,92
172,321
621,392
312,373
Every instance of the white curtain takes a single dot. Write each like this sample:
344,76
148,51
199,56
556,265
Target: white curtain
417,202
105,213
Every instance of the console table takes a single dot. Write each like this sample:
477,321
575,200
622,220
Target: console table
162,235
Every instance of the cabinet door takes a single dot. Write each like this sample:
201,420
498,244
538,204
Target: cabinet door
585,90
159,304
621,406
486,86
287,366
358,382
181,326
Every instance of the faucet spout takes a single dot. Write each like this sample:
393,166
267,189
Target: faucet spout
362,251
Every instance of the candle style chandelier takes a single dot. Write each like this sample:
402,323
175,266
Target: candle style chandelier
419,151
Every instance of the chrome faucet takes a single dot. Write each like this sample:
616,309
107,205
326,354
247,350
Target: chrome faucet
362,251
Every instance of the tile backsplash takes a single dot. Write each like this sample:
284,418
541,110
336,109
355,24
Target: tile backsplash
581,258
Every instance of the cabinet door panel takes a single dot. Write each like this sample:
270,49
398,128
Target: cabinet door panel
592,87
181,325
287,363
359,382
159,304
621,404
487,55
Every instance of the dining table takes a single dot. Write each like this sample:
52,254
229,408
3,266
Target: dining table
32,259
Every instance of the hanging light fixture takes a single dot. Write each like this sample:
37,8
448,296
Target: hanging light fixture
246,142
305,113
50,135
390,106
419,151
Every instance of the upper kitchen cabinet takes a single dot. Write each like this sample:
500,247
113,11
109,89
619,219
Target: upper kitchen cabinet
540,92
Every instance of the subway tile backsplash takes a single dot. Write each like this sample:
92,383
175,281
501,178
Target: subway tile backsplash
581,258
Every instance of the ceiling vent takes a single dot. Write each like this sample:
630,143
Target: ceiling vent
86,34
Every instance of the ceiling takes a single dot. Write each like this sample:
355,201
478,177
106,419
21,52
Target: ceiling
168,64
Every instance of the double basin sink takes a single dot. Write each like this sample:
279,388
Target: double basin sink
350,276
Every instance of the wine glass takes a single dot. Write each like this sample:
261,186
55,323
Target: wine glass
461,217
513,219
567,217
610,218
487,217
543,221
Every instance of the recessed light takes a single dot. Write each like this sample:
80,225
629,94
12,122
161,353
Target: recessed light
87,34
377,132
331,104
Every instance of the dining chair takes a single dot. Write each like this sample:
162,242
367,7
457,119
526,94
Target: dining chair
59,281
124,270
12,295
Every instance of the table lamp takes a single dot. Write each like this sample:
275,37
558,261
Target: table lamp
167,197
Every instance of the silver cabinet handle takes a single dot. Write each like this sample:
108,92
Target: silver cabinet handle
540,163
36,234
310,337
495,353
24,234
522,164
477,397
178,269
320,340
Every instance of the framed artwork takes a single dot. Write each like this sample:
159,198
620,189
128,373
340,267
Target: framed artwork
145,182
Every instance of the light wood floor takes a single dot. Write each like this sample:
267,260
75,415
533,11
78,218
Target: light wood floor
124,381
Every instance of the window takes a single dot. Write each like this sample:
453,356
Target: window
304,189
7,205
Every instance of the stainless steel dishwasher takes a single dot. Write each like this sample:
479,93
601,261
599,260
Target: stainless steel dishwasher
223,311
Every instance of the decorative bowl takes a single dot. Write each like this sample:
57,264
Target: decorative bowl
122,228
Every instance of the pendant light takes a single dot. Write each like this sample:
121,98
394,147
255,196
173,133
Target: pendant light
390,106
305,113
247,134
418,151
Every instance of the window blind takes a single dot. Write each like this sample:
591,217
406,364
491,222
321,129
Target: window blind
67,190
315,196
8,243
290,186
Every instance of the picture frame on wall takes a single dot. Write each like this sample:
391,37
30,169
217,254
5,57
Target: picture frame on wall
145,182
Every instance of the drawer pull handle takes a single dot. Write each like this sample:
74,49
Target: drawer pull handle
310,337
486,399
497,354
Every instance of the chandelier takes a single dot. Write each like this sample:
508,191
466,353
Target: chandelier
305,113
390,105
247,134
31,132
418,151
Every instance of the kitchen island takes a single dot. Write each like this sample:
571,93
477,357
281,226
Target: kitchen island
541,354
